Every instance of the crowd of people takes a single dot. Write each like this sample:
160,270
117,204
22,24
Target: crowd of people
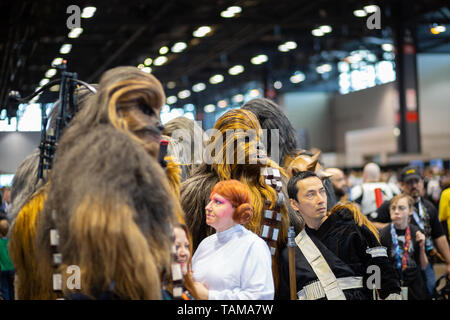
122,214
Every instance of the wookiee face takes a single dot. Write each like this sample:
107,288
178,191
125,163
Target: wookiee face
143,121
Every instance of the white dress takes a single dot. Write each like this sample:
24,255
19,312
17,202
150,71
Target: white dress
234,264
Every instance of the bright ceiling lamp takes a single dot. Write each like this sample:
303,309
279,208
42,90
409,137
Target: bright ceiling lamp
50,73
259,59
57,61
178,47
201,31
88,12
324,68
171,99
198,87
371,8
160,61
148,61
297,77
44,82
216,79
75,33
65,48
317,32
163,50
184,94
236,70
326,28
387,47
209,108
359,13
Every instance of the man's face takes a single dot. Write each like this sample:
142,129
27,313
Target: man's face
339,182
311,199
413,187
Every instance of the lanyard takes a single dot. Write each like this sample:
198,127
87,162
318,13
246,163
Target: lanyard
401,260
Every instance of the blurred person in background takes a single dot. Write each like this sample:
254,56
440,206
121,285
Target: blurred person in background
6,266
365,194
339,182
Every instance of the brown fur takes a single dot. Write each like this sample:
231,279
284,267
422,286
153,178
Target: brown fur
114,218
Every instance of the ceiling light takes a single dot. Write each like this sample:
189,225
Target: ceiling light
324,68
148,61
277,85
65,48
235,9
326,29
291,45
160,61
171,85
189,107
201,31
50,73
178,47
259,59
44,82
387,47
75,33
297,77
209,108
165,108
198,87
163,50
222,103
88,12
317,33
57,61
371,8
236,70
227,14
216,79
147,69
254,93
440,28
283,48
238,98
360,13
184,94
171,99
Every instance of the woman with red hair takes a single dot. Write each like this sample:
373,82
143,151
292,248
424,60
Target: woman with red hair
234,263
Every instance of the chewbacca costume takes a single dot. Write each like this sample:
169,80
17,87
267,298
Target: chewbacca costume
196,190
28,197
125,98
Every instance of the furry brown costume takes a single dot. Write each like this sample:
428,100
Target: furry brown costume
112,202
114,218
270,116
28,198
186,134
196,190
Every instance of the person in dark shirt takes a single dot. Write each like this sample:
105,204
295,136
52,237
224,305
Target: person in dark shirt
425,217
345,232
406,248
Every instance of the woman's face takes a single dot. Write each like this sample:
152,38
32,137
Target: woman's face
219,213
182,248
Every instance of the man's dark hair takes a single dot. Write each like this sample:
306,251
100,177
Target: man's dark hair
292,184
